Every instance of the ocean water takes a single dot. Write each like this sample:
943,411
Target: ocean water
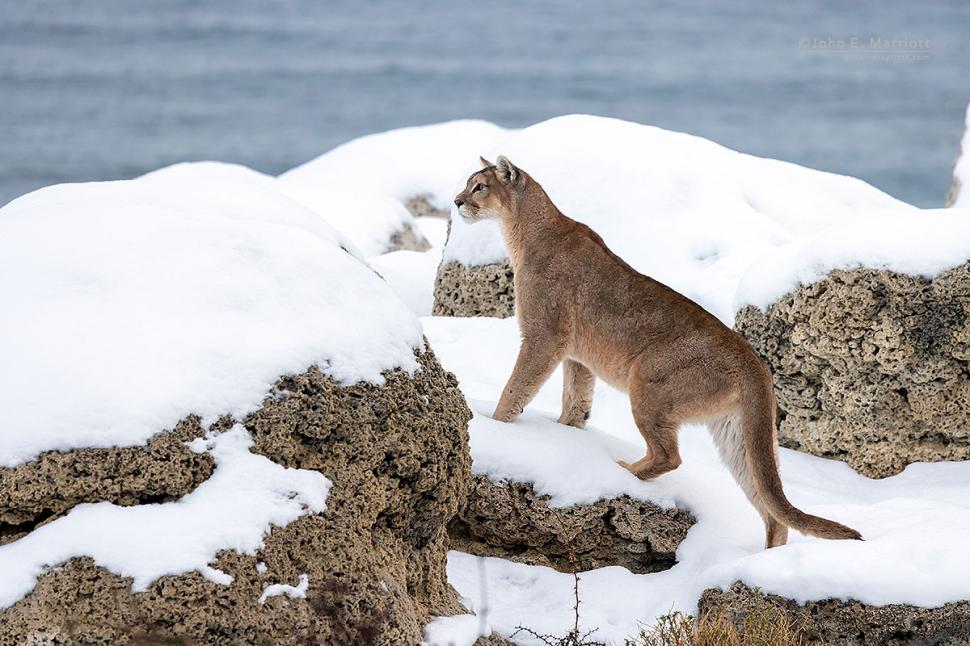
105,89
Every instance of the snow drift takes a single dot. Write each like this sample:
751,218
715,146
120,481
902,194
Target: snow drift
696,215
403,163
137,303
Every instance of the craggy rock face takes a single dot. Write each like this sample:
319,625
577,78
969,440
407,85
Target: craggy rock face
512,522
408,239
871,367
486,290
47,487
834,621
954,193
398,458
421,205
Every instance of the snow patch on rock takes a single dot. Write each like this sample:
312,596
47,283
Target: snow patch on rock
682,209
403,163
246,496
130,305
460,630
922,243
292,591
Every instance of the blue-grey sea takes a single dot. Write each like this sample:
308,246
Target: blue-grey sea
103,89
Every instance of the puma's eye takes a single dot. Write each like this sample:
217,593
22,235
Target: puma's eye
478,187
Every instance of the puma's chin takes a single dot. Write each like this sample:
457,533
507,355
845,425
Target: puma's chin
471,218
479,215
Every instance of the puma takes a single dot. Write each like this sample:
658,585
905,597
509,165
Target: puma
579,304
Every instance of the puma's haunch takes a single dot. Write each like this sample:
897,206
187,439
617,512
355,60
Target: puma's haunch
581,305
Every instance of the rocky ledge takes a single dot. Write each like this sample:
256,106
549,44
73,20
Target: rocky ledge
374,561
511,521
834,621
871,367
485,290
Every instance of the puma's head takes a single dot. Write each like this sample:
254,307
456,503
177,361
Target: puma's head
489,193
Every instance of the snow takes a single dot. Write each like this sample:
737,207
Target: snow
682,209
411,274
915,524
244,498
460,630
403,163
292,591
921,244
369,220
961,170
130,305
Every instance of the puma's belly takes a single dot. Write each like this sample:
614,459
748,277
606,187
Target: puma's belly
606,362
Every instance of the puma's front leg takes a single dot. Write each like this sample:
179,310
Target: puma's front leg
537,359
577,393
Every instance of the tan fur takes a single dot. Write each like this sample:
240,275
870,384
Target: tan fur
581,305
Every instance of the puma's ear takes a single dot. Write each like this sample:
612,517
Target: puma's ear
485,162
506,169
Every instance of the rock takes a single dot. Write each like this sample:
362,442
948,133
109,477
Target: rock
834,621
408,238
511,521
958,195
39,491
953,195
375,559
871,367
486,290
422,205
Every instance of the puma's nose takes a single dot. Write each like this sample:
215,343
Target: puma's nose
458,202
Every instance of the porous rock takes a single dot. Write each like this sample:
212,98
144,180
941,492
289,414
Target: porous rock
398,457
871,367
960,167
511,521
47,487
834,621
422,205
953,195
484,290
408,238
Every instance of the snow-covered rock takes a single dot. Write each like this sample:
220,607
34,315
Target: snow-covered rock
373,223
915,523
377,224
508,519
137,303
245,407
959,194
684,210
870,365
416,166
847,621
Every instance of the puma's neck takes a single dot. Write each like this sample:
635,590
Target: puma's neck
529,228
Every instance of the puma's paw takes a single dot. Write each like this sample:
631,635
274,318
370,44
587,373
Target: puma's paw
503,416
571,419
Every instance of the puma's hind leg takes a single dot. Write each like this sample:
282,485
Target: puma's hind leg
659,430
776,533
577,393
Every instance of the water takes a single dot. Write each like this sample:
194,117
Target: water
104,89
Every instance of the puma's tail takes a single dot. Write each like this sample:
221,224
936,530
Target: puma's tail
748,447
